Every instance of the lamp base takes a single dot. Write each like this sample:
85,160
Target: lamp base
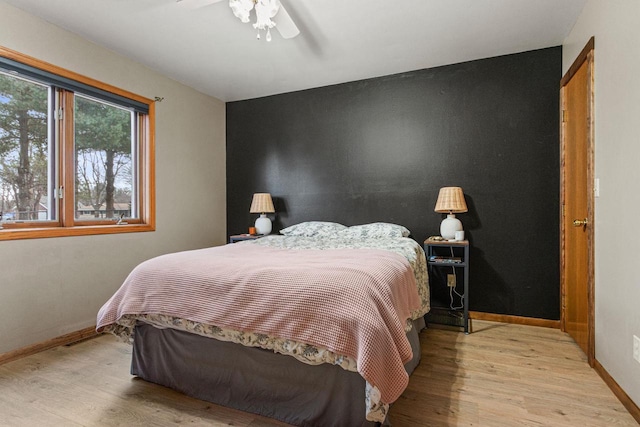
263,225
449,226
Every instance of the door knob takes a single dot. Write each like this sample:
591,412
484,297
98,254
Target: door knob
580,223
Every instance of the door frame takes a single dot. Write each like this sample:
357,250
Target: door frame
586,55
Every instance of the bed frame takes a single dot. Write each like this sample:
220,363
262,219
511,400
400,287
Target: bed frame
253,379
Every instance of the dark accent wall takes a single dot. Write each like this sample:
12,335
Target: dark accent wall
380,149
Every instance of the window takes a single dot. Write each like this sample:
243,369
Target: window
105,145
76,155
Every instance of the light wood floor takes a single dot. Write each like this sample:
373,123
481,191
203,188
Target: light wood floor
501,375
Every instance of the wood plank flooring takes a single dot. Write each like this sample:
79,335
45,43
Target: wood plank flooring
500,375
506,375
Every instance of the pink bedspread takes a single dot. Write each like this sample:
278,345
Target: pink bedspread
354,302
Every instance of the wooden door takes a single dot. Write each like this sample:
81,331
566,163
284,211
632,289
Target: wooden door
577,203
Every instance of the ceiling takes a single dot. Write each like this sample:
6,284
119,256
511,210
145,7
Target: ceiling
212,51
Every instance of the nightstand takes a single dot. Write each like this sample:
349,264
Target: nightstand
446,261
240,237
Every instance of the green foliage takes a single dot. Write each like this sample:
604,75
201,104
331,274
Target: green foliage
23,144
102,127
103,146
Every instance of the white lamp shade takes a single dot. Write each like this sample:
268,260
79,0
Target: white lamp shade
449,226
263,225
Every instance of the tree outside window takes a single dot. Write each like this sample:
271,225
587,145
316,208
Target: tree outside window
24,149
103,145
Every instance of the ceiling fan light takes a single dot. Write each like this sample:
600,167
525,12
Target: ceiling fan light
241,9
265,10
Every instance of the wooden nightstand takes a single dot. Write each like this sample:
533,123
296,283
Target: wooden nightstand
444,258
240,237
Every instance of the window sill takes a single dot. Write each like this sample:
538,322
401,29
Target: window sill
87,230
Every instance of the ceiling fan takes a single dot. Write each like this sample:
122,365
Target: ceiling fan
265,10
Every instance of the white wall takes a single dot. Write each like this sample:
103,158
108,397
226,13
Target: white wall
50,287
614,23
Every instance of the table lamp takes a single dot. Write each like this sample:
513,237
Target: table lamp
263,205
450,201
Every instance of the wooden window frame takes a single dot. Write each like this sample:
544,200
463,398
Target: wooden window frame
66,224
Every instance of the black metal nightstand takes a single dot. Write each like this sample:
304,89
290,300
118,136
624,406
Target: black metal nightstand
453,255
240,237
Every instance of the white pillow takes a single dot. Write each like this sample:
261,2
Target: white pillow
314,229
375,230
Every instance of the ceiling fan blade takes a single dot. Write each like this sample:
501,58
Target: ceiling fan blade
284,24
196,4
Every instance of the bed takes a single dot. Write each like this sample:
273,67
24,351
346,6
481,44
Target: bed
315,327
